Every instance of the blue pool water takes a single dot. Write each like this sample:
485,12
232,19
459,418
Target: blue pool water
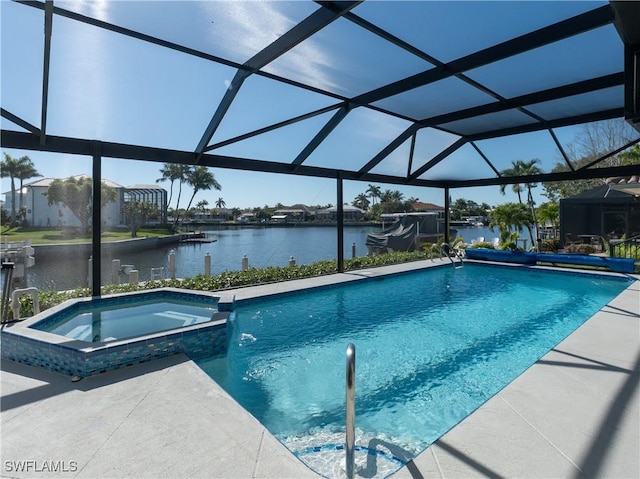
115,318
431,347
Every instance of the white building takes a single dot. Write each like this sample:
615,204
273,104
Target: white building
40,214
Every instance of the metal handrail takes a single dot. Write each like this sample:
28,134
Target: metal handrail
351,410
15,301
448,251
629,248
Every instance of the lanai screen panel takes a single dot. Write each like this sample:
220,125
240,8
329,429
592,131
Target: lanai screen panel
226,83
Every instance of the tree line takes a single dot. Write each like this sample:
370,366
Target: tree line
375,201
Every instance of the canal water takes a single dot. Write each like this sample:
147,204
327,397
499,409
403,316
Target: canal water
264,246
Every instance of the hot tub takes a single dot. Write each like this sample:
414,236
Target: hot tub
87,336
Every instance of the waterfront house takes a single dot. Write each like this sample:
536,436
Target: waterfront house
289,215
419,206
39,213
247,217
214,215
351,213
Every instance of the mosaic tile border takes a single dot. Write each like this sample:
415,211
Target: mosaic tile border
204,340
21,343
341,447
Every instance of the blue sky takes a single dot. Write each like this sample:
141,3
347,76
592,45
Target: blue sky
111,87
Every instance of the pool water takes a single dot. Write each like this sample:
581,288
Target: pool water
113,321
431,347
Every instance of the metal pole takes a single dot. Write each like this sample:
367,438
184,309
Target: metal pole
172,264
207,264
447,206
7,272
351,409
340,224
96,221
115,271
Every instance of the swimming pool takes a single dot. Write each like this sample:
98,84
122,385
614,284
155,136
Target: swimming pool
432,346
87,336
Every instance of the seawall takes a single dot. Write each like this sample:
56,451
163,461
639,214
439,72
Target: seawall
84,250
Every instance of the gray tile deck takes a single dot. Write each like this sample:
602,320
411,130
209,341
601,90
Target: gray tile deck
575,413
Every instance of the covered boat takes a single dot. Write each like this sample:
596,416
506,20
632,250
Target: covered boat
407,232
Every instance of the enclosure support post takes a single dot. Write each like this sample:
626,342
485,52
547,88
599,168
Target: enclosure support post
96,220
447,206
340,226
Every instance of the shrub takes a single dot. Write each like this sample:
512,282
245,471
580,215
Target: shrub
227,279
550,245
482,244
578,248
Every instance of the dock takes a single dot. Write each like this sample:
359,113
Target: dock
195,237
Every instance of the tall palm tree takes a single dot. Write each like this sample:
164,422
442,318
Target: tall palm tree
361,201
181,174
9,168
374,192
27,171
524,168
220,203
200,178
171,172
386,196
17,168
397,196
516,187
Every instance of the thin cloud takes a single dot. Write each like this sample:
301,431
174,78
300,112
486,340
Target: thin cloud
242,29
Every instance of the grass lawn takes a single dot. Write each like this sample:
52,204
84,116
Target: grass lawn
71,235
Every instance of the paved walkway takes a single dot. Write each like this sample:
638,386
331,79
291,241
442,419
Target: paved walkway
575,413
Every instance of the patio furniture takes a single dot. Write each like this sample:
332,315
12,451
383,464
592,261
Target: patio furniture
568,239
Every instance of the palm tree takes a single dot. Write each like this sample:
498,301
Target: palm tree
549,212
17,168
220,203
386,196
181,174
26,172
171,172
397,196
374,192
361,201
202,205
516,187
509,218
524,168
200,178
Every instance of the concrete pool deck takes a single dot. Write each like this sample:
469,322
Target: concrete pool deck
575,413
